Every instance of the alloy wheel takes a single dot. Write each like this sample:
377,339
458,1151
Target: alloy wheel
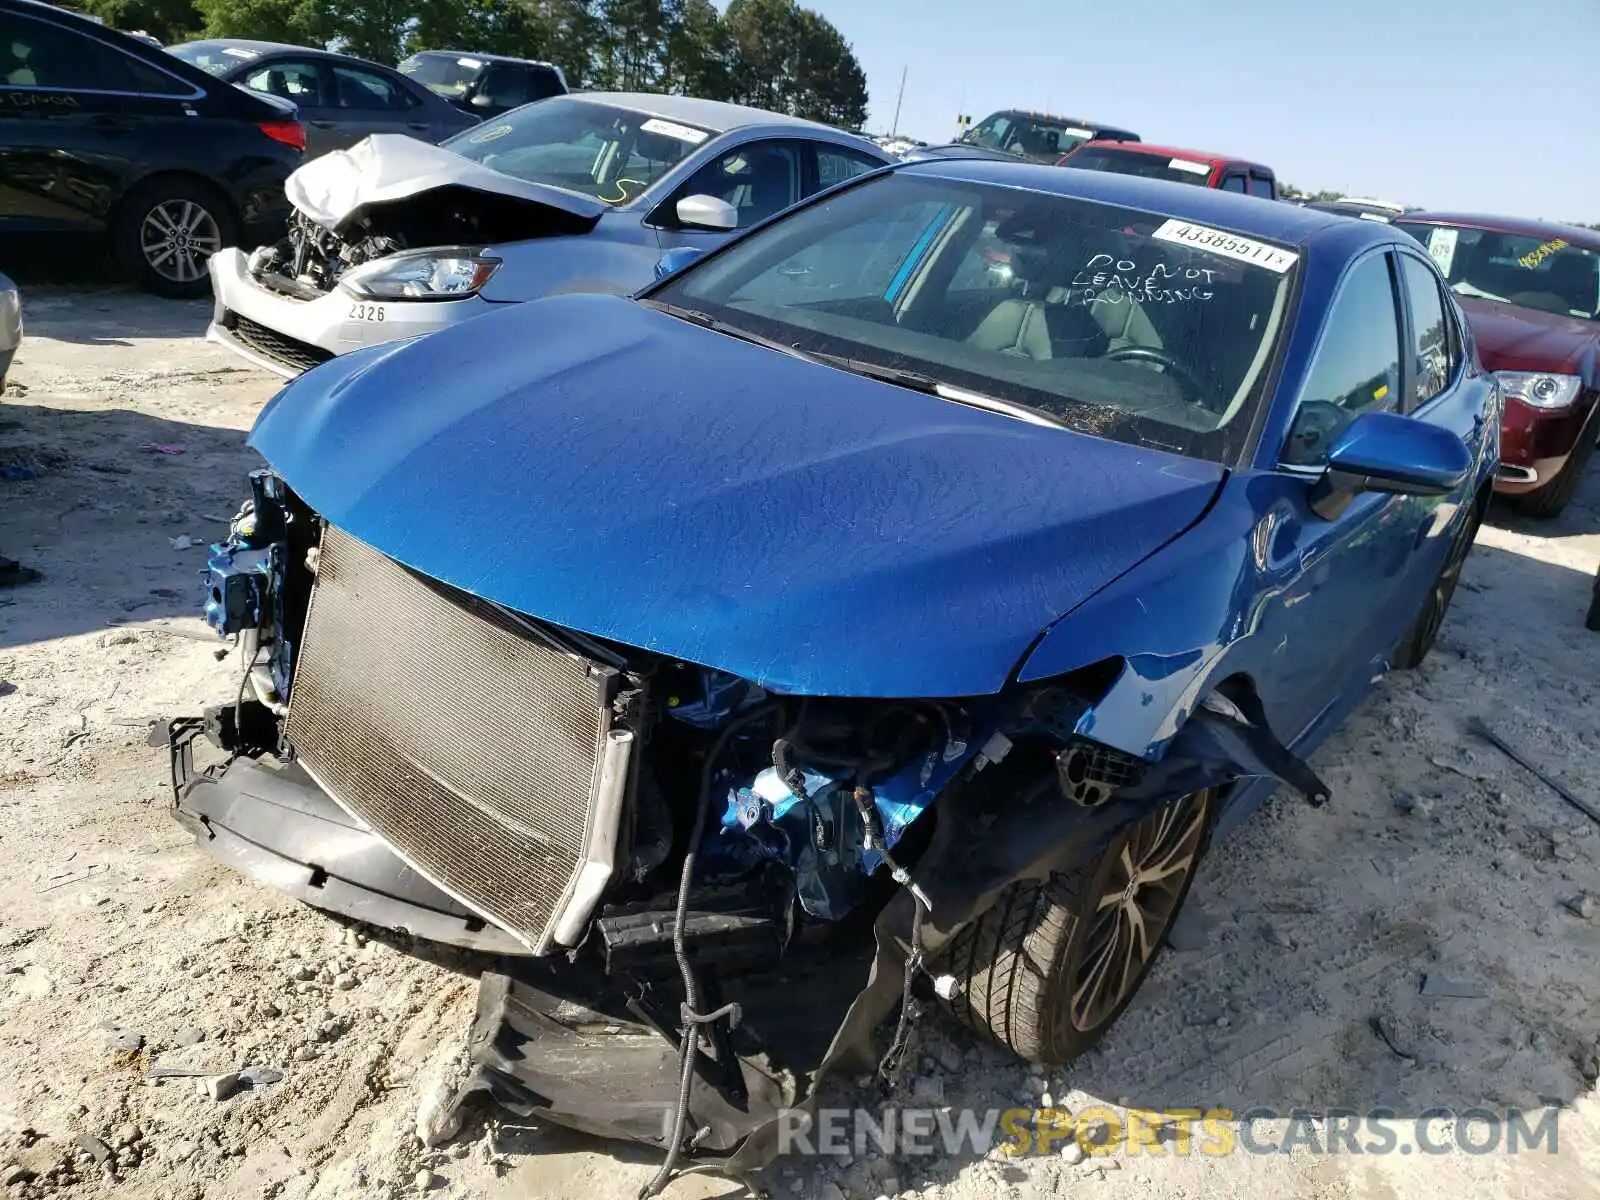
1144,884
177,237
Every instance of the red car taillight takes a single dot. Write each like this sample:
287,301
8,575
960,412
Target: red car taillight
290,133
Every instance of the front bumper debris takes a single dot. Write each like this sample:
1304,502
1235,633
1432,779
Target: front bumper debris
560,1039
276,826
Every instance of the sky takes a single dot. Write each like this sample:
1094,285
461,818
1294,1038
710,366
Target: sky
1450,104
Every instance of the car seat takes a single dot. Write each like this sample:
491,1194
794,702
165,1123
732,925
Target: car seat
769,186
1030,324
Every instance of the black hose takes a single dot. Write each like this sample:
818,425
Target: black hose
693,1019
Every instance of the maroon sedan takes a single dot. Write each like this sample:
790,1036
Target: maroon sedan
1531,292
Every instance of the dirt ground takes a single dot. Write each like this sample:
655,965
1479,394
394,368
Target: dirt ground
122,946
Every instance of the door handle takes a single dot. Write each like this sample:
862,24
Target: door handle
422,125
111,124
320,124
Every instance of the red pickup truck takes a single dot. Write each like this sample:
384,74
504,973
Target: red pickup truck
1220,171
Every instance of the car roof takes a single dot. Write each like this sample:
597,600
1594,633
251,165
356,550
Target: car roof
1206,156
1060,120
715,115
259,47
484,55
1274,219
1588,238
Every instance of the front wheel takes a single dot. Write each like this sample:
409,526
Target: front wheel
167,231
1051,966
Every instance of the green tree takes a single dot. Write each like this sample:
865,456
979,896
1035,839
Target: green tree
789,59
169,20
298,22
372,29
699,52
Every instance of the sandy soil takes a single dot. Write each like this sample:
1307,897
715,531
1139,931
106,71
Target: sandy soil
121,946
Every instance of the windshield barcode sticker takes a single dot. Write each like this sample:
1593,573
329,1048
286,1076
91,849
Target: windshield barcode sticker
1078,131
1229,245
672,129
1194,168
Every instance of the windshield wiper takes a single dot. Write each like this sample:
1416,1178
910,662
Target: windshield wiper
704,319
916,381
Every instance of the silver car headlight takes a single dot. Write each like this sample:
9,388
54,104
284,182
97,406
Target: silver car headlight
1541,389
448,274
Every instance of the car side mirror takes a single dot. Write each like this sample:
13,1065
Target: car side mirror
676,259
1385,452
707,212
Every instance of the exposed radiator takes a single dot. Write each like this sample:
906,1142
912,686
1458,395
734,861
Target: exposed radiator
484,752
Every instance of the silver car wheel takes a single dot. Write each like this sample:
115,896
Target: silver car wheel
177,237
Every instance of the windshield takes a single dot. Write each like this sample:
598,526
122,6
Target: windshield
1112,321
214,58
612,154
1546,273
1038,138
445,74
1146,166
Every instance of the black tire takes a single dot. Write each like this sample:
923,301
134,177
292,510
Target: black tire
1593,621
166,229
1551,499
1022,964
1424,630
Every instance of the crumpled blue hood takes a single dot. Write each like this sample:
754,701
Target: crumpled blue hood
589,461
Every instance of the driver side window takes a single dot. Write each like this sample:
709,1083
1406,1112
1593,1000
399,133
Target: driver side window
759,179
1357,366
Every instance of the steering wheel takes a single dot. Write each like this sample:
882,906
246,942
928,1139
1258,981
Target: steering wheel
1194,391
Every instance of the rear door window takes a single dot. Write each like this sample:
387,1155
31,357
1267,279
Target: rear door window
1261,185
367,91
835,164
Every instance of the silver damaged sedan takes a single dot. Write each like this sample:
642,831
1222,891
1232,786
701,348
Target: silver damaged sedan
394,238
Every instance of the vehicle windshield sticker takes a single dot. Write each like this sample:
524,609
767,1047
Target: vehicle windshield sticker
672,129
1373,217
493,133
1532,260
474,63
1194,168
1075,131
1442,248
239,52
1228,245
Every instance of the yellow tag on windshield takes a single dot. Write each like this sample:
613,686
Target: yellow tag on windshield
1543,252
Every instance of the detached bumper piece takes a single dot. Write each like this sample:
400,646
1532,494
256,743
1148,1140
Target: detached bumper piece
574,1048
276,826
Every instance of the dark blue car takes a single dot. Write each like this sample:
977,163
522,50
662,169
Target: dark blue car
899,597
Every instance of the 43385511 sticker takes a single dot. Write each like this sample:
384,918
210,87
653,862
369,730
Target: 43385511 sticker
1229,245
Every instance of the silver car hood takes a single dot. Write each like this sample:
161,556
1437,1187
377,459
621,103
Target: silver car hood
342,185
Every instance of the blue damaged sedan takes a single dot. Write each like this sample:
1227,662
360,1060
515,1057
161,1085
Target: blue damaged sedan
896,599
